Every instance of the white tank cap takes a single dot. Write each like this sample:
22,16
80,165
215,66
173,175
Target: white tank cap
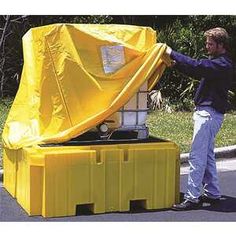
103,128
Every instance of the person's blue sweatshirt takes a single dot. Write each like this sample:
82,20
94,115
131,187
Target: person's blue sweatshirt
216,76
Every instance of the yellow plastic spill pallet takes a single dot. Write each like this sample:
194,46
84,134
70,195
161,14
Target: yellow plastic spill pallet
54,181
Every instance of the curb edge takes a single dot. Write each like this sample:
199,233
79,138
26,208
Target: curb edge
222,152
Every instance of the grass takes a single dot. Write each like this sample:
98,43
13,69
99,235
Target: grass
5,105
176,126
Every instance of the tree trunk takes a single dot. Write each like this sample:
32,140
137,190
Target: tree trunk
2,41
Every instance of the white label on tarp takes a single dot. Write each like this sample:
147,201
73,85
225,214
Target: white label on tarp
113,58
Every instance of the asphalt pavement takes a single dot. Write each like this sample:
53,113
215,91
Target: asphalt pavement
225,211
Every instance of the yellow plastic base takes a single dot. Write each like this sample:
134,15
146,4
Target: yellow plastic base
53,181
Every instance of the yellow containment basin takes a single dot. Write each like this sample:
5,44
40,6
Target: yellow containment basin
54,181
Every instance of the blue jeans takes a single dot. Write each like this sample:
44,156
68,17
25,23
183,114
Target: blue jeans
202,178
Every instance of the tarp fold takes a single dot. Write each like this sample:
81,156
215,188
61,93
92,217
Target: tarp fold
76,75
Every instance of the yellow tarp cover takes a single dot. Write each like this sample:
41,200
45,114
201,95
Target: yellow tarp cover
76,75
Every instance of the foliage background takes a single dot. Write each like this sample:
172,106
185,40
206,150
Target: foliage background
183,33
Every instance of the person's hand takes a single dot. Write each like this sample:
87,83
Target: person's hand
168,50
173,63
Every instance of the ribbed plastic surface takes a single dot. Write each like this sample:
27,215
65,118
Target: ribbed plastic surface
54,181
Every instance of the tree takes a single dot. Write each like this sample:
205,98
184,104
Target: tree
12,29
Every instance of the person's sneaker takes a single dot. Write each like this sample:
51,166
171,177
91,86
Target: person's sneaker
207,199
186,205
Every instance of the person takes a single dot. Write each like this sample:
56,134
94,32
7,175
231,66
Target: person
216,75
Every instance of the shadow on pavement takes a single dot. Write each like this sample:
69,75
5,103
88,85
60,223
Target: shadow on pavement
138,207
226,204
